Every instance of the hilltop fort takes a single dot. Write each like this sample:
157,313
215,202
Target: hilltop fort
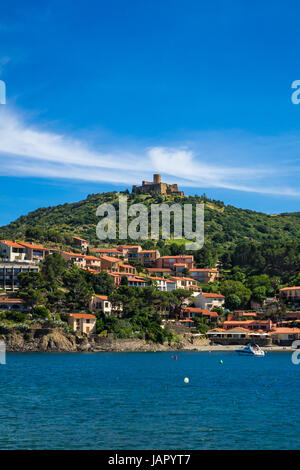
157,187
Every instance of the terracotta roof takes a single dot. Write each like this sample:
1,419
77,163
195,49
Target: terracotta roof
104,250
82,315
192,270
34,247
285,330
10,243
102,297
77,255
159,270
110,258
202,311
135,279
91,257
177,257
290,288
210,295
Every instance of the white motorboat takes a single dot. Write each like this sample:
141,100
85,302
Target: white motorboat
250,350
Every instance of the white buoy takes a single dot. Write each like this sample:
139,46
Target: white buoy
186,380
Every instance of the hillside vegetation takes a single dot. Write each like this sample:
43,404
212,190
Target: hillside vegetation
225,226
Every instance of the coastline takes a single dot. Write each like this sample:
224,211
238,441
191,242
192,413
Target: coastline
57,340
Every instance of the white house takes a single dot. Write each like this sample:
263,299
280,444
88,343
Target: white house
159,282
208,300
101,303
11,251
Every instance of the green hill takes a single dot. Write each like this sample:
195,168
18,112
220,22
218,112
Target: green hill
225,226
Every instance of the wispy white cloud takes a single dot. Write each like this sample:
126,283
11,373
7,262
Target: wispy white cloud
216,160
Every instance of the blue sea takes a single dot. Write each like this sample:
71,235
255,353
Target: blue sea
140,401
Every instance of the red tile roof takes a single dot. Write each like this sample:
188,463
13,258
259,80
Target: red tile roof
83,315
112,259
10,243
285,330
34,247
202,311
102,297
289,288
210,295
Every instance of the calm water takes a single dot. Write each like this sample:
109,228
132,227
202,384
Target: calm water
139,401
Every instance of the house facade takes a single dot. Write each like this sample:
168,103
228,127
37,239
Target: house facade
208,301
82,323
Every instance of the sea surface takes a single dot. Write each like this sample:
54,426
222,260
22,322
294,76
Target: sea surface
140,401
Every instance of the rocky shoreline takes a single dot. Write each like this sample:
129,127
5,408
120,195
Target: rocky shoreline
58,340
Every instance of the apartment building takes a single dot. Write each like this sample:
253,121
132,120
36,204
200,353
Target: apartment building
9,271
169,261
204,275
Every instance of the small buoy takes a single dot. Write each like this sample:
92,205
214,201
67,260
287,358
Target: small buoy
186,380
175,358
221,362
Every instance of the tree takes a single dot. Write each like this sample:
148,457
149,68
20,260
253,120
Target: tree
238,289
79,291
32,288
233,302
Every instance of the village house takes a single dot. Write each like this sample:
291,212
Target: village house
290,294
241,315
194,312
185,283
129,251
100,303
11,251
208,301
106,252
83,323
34,252
204,275
136,281
238,335
127,269
284,336
159,282
159,272
265,325
75,258
110,263
147,257
169,261
81,242
171,285
92,262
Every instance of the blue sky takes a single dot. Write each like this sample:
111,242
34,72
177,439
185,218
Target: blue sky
102,94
